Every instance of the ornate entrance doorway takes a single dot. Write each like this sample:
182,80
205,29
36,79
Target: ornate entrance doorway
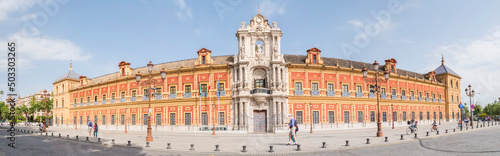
259,121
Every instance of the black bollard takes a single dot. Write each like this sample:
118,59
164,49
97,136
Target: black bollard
271,149
386,140
112,141
244,149
46,134
415,135
98,139
87,139
437,132
192,147
168,146
52,134
298,147
77,137
67,136
31,132
446,131
401,137
147,144
347,143
324,145
427,134
59,135
216,148
367,141
129,143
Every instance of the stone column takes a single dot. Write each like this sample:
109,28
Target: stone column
240,115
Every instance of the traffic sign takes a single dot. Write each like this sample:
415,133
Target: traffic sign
461,106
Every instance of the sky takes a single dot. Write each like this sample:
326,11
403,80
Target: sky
97,35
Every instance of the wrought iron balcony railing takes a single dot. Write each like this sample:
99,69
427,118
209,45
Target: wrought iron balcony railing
188,95
298,92
260,90
330,93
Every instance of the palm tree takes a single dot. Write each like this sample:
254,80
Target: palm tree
23,109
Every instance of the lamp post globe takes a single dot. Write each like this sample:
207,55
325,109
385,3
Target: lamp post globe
375,66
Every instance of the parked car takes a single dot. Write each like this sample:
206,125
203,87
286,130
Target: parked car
21,123
34,124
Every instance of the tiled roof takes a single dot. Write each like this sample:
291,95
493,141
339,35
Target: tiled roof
167,66
70,74
444,69
301,59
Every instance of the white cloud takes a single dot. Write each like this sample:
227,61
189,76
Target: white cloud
476,61
36,49
356,23
10,6
269,8
184,11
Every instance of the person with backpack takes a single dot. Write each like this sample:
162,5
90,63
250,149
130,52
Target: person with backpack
96,128
91,126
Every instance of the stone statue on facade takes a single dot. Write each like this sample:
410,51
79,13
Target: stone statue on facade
243,25
242,51
259,48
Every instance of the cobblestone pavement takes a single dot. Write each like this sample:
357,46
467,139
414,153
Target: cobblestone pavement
231,143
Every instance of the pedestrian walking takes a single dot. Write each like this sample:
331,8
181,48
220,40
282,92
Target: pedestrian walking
91,127
291,134
96,130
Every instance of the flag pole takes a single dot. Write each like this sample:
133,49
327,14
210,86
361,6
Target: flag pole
199,96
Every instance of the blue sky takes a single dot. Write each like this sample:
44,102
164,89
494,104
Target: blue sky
97,35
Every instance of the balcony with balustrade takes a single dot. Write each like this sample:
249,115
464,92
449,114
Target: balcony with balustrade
315,92
403,97
260,91
112,101
122,99
95,102
104,101
204,94
158,97
134,98
372,95
172,95
330,93
394,97
298,92
187,95
383,96
346,94
359,94
88,103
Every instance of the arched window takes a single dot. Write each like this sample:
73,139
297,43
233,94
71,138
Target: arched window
451,83
457,85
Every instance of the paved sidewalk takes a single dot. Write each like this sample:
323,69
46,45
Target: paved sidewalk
231,143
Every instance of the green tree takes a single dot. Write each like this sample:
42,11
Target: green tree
1,95
24,111
478,109
4,111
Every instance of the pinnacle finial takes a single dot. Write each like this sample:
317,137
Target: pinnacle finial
258,8
70,65
442,59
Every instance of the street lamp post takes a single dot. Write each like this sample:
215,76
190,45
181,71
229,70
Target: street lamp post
148,83
125,120
377,90
439,107
392,109
213,128
45,106
470,93
311,117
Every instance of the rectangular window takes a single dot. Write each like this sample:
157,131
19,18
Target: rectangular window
103,119
360,116
204,118
75,101
74,120
298,114
428,115
384,116
158,90
314,86
372,116
88,99
412,94
403,92
145,119
122,95
112,119
314,59
172,90
81,120
95,98
315,117
457,100
260,83
427,95
134,93
202,59
345,88
88,118
133,119
393,91
158,119
172,119
358,89
330,87
146,92
346,117
395,116
452,99
382,91
404,115
187,88
331,117
419,94
298,85
221,86
203,88
412,115
433,96
113,95
104,97
372,89
421,115
221,118
62,104
187,118
434,115
81,100
122,120
441,115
